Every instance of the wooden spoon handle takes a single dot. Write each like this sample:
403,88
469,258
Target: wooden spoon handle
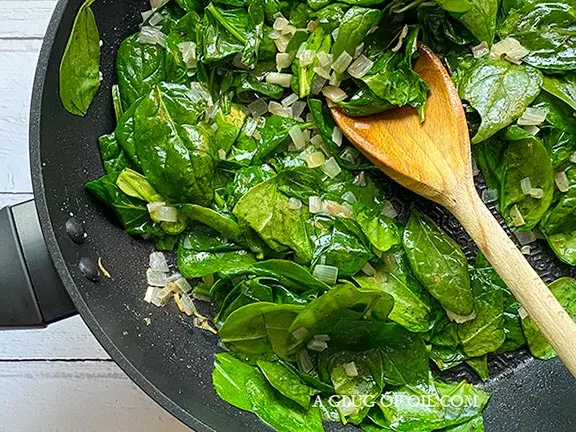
521,278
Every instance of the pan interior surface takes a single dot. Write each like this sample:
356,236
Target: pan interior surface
169,358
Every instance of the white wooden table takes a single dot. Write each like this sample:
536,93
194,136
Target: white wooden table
58,379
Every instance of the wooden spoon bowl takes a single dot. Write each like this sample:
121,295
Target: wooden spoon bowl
434,160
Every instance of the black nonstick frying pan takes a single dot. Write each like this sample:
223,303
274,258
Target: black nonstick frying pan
170,359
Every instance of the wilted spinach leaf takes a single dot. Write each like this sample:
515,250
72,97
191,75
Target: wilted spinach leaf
80,65
481,19
439,263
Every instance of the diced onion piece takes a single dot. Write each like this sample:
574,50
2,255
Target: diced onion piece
516,215
294,204
322,337
510,49
562,182
480,50
280,23
351,369
152,36
342,62
533,117
360,179
282,43
317,140
338,210
350,154
156,279
160,212
368,270
526,185
258,108
337,136
281,79
324,59
318,83
298,108
274,35
155,4
526,250
335,33
331,168
536,193
300,333
359,50
360,67
525,237
349,197
326,273
305,361
460,319
283,60
157,296
147,14
334,81
289,100
389,210
334,93
186,305
316,345
297,137
532,130
306,57
188,51
321,71
315,204
522,313
289,30
489,195
401,38
277,109
158,262
183,284
315,159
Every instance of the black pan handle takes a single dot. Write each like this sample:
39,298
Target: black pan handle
31,292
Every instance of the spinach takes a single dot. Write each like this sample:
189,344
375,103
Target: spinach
480,366
132,212
522,159
259,331
318,41
563,87
113,156
560,115
178,159
381,231
392,78
319,315
244,387
481,19
230,124
80,66
500,91
139,67
364,103
267,211
564,289
425,411
182,38
548,30
485,333
439,263
135,185
287,382
561,146
219,222
559,223
356,24
414,309
193,264
339,243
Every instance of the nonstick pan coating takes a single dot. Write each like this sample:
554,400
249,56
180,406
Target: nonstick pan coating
169,358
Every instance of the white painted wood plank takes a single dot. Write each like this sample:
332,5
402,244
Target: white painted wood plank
17,66
12,199
68,339
76,396
25,19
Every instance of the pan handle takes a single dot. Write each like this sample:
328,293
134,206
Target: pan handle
31,292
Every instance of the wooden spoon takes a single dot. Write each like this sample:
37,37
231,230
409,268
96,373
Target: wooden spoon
433,159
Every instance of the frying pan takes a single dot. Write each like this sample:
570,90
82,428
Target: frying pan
170,359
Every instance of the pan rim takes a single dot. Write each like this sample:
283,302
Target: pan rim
35,142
